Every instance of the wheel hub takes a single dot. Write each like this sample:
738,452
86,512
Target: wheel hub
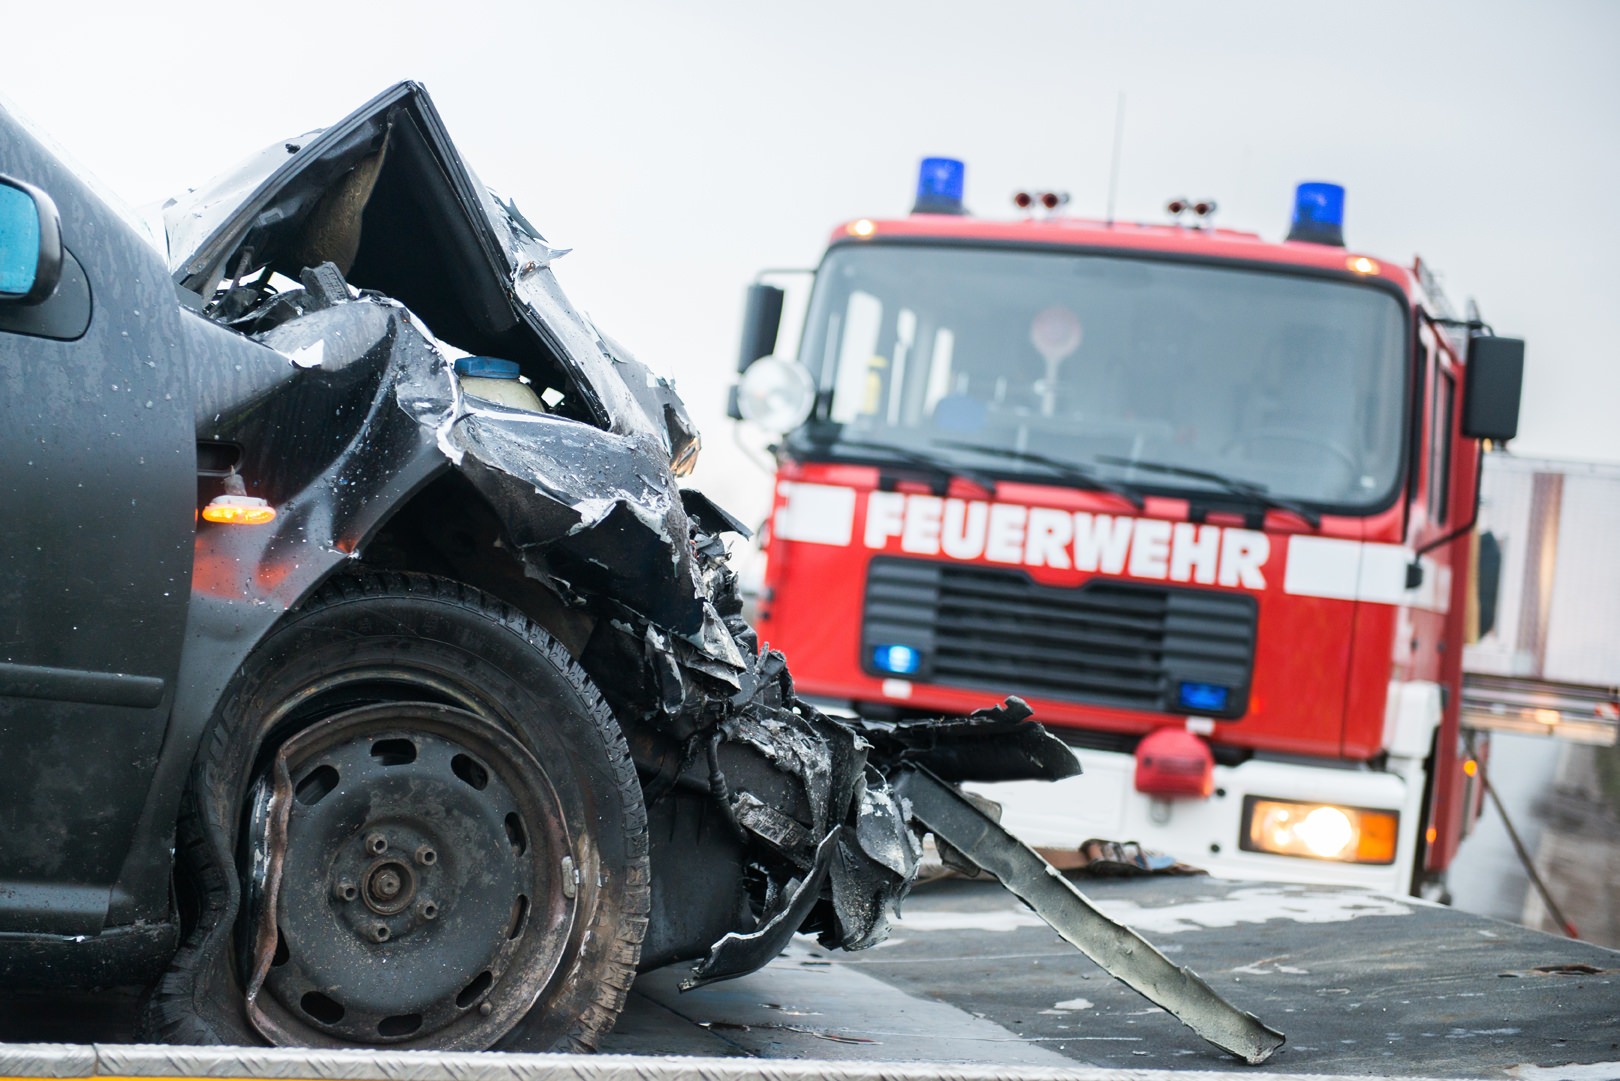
377,876
390,887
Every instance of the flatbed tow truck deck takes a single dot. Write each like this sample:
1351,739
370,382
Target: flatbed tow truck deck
972,984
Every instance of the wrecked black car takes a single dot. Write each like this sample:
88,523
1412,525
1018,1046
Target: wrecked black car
366,676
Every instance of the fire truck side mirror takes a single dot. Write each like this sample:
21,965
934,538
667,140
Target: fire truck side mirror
1491,388
762,319
1487,583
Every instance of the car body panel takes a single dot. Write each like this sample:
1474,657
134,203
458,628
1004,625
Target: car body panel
95,568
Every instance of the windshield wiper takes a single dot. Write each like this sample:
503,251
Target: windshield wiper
1257,492
1071,472
942,468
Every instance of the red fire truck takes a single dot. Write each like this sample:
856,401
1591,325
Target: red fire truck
1203,499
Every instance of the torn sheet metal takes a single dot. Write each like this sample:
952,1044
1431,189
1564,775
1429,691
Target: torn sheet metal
1120,952
596,517
874,870
999,744
740,954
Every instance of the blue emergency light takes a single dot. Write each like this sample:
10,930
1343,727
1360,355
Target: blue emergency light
1202,697
901,660
939,187
1318,214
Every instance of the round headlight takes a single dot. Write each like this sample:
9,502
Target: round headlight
777,394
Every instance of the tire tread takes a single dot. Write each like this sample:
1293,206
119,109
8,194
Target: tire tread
172,1013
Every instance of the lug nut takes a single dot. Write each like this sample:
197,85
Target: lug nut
485,1009
426,856
345,891
381,933
427,909
376,844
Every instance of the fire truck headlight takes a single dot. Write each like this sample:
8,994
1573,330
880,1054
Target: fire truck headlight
1326,831
776,393
1319,831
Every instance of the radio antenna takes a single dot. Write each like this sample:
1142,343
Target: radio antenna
1113,168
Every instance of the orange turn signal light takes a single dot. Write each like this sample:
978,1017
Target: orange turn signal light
1362,265
238,510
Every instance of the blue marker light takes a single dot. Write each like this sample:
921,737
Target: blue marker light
1318,214
1203,697
901,660
940,184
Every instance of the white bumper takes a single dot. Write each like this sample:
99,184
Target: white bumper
1102,802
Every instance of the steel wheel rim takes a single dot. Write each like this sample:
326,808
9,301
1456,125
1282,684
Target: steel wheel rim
410,882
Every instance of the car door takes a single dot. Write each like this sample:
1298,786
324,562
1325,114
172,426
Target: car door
97,505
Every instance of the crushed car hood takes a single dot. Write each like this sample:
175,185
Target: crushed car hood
386,197
385,200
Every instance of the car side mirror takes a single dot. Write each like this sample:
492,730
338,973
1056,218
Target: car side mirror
1491,388
30,243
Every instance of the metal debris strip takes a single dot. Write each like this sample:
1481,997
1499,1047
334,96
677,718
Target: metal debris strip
113,1061
1118,950
739,954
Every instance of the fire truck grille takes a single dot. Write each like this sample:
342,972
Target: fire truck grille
1124,644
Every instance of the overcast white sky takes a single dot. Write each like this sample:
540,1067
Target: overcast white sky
680,147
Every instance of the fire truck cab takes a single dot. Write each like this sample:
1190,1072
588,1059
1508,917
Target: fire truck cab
1201,498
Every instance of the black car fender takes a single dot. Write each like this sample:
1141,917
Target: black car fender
339,418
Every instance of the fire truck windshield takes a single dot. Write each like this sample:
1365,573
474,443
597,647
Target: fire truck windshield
1287,382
